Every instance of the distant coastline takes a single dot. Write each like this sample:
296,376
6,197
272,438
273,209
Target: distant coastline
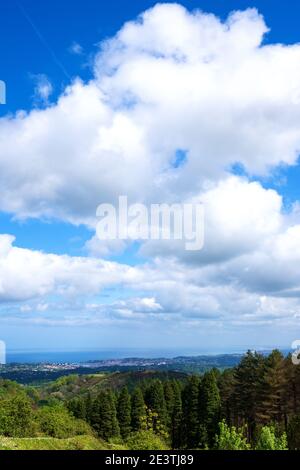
39,356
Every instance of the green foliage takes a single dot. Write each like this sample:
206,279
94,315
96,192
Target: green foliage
155,401
268,440
138,410
77,406
104,415
191,413
145,440
247,390
51,443
124,413
16,416
272,387
209,408
169,399
293,433
231,438
261,396
176,417
56,421
152,423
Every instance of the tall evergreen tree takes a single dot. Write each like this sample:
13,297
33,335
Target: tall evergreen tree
88,407
138,410
271,400
169,399
104,415
124,413
209,408
247,378
191,413
155,401
176,417
226,387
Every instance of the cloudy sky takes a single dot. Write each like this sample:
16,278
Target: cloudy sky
165,103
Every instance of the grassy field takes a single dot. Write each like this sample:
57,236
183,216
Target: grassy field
49,443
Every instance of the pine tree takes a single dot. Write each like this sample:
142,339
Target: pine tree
226,387
138,410
104,415
272,385
169,398
176,417
209,408
191,413
247,378
77,406
124,413
155,401
115,429
88,407
292,389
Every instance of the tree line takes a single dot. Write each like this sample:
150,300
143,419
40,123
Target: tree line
255,405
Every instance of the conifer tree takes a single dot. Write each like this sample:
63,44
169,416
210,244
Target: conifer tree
226,386
209,408
272,403
247,378
124,413
88,407
191,413
138,410
176,417
104,415
155,401
77,406
169,398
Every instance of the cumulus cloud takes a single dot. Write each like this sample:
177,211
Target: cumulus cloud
25,274
170,81
239,216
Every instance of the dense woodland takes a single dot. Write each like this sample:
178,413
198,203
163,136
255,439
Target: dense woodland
255,405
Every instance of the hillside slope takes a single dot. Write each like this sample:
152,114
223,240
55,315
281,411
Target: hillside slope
75,385
50,443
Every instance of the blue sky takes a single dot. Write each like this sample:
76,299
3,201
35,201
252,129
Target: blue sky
71,302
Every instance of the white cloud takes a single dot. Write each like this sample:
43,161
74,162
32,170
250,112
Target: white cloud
43,89
172,80
26,274
104,248
239,216
76,48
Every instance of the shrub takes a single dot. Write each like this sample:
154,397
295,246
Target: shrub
56,421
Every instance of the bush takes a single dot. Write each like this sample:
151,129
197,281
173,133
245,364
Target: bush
267,440
56,421
16,416
145,440
231,438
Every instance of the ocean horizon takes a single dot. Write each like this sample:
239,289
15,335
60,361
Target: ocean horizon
38,356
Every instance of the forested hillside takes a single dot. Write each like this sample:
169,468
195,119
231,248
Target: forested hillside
255,405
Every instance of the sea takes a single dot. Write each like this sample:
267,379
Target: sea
41,356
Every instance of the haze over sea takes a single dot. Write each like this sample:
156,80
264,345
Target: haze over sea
37,356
